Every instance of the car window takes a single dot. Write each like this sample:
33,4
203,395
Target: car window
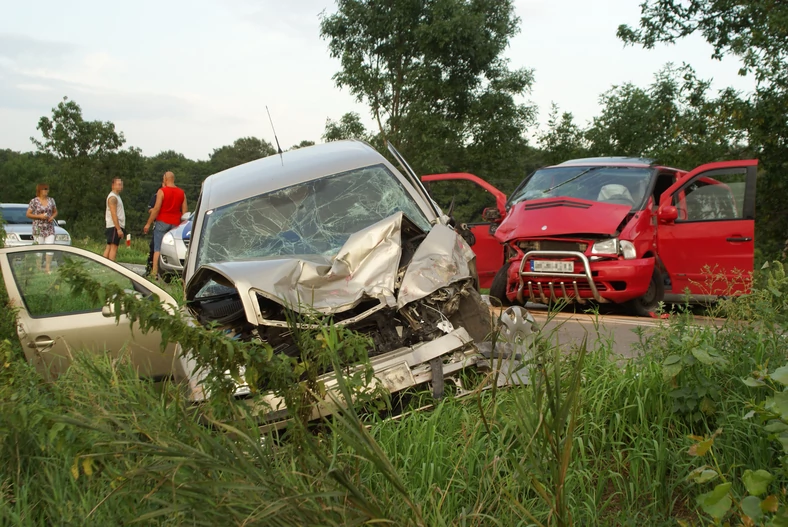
707,199
15,215
47,295
470,199
315,217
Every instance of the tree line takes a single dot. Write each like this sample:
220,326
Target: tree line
437,86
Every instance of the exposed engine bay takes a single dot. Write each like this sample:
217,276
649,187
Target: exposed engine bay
439,298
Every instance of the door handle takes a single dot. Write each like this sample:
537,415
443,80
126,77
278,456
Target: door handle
41,343
739,239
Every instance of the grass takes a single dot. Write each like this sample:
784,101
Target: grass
100,446
137,253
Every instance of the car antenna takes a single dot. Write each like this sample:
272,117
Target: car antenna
275,138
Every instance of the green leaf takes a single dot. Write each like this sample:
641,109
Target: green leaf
717,502
757,482
671,359
670,371
753,383
751,506
701,448
775,427
703,356
778,404
780,375
703,475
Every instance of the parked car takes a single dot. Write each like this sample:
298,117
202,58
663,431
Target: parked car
19,228
624,230
174,247
334,229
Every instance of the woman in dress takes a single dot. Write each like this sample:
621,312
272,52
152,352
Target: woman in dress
43,211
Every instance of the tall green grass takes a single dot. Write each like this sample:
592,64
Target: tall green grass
605,442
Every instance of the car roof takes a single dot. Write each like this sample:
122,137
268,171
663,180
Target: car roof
610,161
20,205
286,169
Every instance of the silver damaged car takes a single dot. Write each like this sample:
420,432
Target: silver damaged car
337,229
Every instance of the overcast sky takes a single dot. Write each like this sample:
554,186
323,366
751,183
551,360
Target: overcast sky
194,75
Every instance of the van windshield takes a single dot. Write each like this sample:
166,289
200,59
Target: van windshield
618,185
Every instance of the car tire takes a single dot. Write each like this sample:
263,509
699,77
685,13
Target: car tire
648,303
499,283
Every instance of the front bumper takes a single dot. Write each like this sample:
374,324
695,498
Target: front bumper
603,281
172,257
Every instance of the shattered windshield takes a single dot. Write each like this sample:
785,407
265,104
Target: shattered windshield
316,217
619,185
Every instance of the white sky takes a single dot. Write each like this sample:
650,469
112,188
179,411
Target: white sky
194,75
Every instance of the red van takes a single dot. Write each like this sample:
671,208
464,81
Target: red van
621,230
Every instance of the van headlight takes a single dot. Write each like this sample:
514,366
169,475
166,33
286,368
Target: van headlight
605,247
62,238
628,250
168,239
11,236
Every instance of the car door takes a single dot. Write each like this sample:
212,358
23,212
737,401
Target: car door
706,229
53,322
472,196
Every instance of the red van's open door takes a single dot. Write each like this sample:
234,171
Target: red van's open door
706,229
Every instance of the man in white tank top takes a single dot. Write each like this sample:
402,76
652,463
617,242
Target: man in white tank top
114,219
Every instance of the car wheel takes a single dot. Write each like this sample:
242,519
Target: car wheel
648,303
499,283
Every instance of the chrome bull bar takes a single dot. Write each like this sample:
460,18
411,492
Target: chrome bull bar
522,274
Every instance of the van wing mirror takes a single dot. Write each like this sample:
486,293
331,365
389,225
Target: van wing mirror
668,214
492,214
61,222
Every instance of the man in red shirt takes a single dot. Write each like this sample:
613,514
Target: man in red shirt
170,206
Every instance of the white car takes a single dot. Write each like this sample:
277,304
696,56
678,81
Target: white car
19,228
174,247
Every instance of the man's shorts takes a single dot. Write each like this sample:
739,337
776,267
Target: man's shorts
112,236
159,230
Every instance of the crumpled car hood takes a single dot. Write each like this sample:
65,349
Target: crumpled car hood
365,267
560,216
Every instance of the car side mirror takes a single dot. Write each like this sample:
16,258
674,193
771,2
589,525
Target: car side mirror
108,310
492,214
185,216
61,222
668,214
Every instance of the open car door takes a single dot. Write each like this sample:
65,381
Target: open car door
481,207
706,231
53,323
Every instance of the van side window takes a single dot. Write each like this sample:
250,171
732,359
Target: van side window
707,199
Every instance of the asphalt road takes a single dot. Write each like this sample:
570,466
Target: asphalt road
566,328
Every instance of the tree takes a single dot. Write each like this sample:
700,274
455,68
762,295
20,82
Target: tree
241,151
87,155
563,139
755,32
303,144
433,75
349,126
67,135
674,120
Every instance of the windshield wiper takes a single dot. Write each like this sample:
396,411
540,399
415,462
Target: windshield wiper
583,173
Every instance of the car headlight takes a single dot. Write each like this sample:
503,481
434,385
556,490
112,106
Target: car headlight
168,239
628,250
12,237
62,238
605,247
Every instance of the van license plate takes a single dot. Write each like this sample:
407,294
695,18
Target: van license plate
552,266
